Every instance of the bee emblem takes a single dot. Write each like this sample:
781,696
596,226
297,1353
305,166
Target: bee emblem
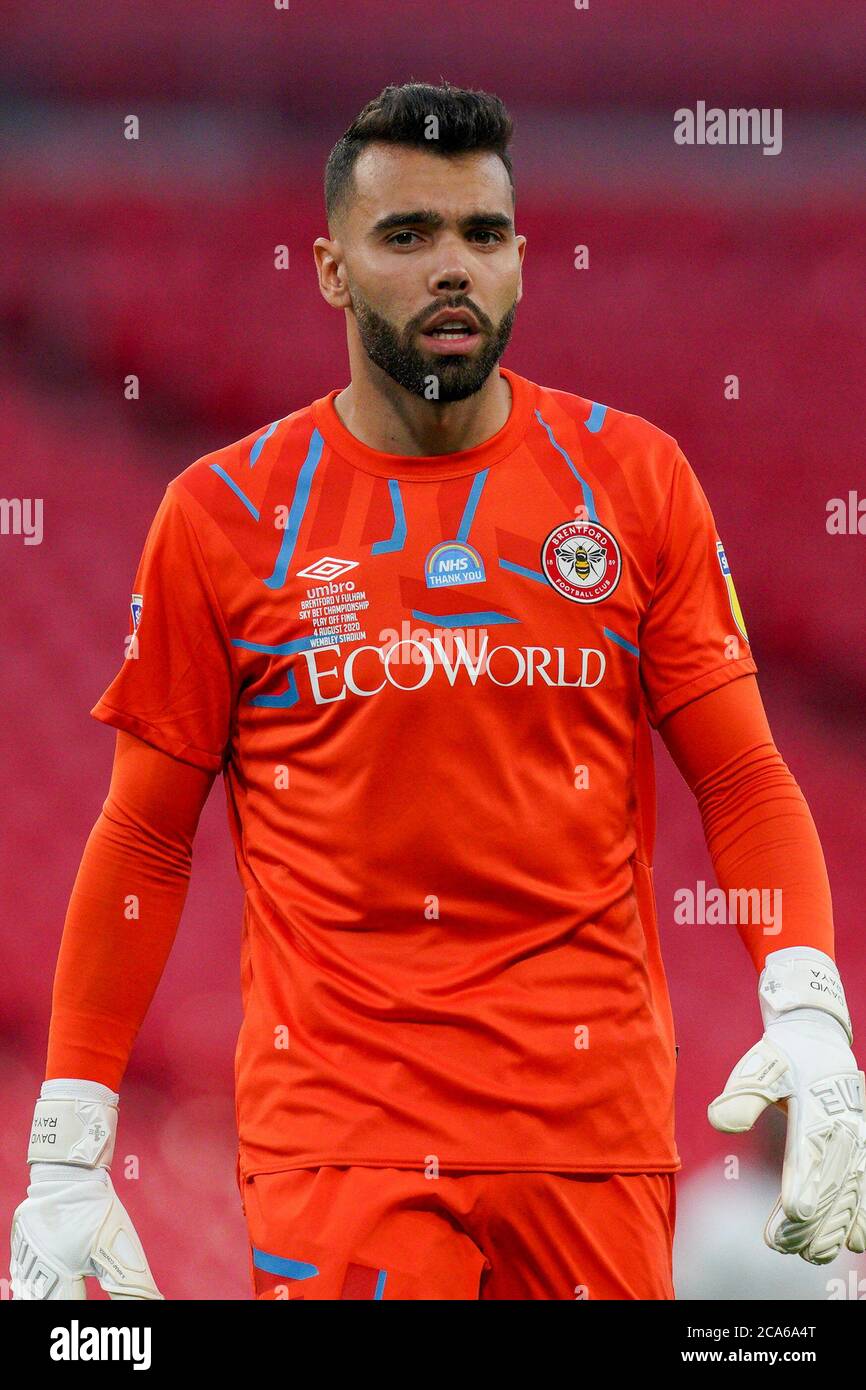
582,561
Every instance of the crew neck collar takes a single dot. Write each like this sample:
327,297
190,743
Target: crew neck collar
415,467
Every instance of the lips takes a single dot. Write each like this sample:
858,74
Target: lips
455,316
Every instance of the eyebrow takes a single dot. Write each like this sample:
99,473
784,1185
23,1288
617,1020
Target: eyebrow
427,217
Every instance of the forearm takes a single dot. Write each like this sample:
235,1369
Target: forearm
762,840
123,913
759,831
119,930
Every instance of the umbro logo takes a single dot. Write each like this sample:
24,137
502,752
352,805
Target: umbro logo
327,568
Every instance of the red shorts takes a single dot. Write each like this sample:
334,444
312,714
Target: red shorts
392,1233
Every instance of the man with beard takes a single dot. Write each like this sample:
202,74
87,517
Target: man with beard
423,626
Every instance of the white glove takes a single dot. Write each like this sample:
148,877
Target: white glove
72,1223
804,1064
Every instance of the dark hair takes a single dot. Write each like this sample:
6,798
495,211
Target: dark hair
466,121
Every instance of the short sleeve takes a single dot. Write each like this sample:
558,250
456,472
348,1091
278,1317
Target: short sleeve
693,636
175,689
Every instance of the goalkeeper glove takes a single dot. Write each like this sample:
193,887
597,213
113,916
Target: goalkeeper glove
72,1223
804,1064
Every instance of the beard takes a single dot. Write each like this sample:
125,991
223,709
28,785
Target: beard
457,376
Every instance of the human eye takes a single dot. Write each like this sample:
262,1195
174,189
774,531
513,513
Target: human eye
487,232
393,240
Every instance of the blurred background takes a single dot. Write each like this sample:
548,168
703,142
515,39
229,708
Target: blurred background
154,257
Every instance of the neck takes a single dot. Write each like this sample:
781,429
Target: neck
387,417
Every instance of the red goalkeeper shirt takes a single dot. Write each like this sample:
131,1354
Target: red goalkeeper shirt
428,683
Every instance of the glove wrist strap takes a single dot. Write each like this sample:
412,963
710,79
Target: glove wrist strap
802,982
73,1131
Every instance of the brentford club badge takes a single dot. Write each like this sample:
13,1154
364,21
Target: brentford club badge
582,561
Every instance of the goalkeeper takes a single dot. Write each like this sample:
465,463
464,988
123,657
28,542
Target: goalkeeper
445,842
